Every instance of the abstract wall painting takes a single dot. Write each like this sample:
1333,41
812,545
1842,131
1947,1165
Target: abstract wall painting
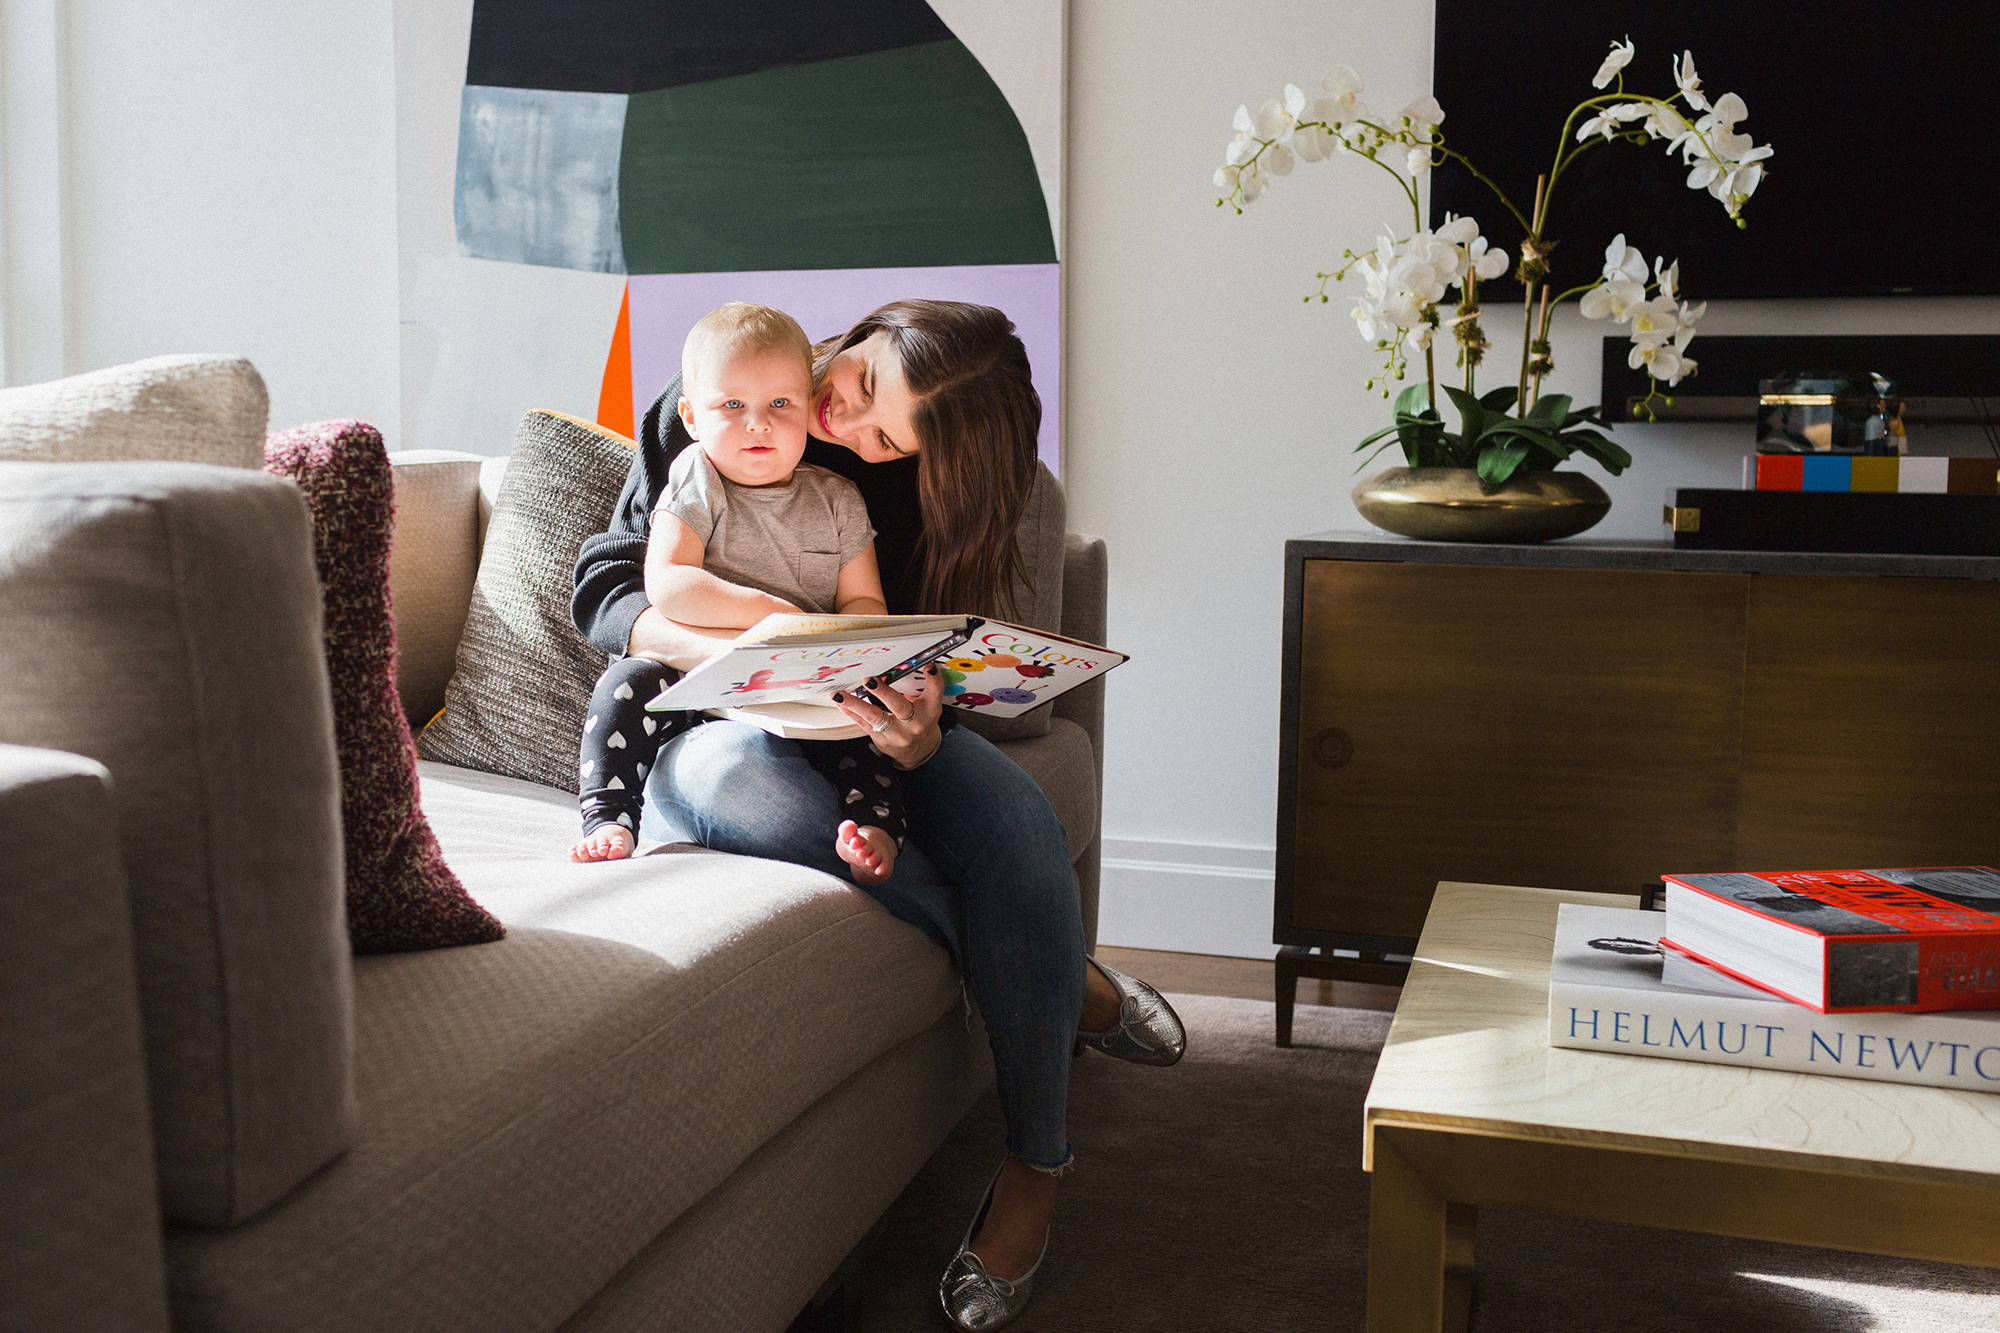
823,157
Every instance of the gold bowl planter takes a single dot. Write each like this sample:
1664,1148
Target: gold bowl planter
1451,504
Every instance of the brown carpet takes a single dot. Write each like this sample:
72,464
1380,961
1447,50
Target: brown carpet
1227,1194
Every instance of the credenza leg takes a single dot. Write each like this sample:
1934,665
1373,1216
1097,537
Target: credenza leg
1286,968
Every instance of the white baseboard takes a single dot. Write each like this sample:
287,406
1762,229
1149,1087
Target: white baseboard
1186,897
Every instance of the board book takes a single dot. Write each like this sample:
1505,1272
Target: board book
781,673
1848,940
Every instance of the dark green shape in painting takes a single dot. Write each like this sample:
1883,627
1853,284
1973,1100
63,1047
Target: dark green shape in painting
909,157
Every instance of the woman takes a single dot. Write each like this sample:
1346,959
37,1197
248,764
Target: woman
928,407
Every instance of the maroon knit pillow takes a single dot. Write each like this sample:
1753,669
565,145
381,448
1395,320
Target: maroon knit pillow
400,894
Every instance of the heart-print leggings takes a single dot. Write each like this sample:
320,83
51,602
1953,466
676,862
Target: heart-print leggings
621,740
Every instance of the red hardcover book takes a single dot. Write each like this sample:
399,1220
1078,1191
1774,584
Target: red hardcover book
1848,941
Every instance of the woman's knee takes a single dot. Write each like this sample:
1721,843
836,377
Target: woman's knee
983,805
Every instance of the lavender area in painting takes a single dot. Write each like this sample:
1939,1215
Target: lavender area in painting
827,302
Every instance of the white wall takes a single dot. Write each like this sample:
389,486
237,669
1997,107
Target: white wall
1212,414
482,341
209,176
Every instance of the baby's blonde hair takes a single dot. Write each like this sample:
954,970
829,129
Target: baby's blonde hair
738,328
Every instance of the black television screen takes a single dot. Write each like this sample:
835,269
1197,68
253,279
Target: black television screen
1883,117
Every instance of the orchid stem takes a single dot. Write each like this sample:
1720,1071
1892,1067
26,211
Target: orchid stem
1528,296
1544,338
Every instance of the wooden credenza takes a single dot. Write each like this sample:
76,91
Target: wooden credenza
1591,715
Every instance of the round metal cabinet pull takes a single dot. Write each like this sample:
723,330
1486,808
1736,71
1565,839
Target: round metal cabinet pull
1332,748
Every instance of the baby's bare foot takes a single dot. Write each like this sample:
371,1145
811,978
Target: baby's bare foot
869,852
607,842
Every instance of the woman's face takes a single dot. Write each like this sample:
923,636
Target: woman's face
864,404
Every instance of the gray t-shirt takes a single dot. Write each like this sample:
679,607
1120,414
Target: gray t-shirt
790,541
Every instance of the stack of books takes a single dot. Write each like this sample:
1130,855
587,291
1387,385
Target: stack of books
1877,974
1859,472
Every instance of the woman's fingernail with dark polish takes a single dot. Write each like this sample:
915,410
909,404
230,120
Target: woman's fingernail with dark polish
838,697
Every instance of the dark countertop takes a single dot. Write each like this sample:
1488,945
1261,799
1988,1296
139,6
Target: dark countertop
1586,553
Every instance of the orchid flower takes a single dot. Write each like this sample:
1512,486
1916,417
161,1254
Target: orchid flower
1621,55
1343,87
1688,81
1607,121
1487,264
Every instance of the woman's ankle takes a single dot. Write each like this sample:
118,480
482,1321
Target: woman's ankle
1101,1005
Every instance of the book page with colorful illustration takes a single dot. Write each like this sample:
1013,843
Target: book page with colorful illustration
1006,670
987,666
806,659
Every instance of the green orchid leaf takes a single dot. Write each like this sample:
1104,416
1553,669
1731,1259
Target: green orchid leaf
1611,455
1524,429
1500,400
1373,456
1380,434
1550,408
1471,413
1498,462
1614,459
1413,400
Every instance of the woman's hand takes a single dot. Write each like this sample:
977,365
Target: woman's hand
907,729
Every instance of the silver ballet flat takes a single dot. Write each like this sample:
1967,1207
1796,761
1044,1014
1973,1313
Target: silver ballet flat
973,1299
1148,1031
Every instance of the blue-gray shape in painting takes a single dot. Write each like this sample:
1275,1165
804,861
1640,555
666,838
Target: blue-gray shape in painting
538,177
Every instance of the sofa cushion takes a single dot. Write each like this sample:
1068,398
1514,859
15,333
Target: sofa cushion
186,409
164,620
76,1160
400,894
534,1112
1061,763
432,561
515,703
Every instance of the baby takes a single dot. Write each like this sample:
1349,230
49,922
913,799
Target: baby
742,530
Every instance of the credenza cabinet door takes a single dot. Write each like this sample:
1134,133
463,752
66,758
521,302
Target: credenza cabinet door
1871,723
1573,729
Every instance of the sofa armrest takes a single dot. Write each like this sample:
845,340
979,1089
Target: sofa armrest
82,1245
433,558
1083,615
1085,582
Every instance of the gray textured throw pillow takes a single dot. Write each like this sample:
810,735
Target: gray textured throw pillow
516,700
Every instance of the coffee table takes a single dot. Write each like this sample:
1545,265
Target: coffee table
1469,1106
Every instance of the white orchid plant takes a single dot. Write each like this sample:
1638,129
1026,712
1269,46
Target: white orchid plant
1408,281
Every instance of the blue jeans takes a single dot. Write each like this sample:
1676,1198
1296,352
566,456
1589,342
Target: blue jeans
985,874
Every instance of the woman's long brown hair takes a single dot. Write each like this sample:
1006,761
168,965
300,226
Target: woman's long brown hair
976,417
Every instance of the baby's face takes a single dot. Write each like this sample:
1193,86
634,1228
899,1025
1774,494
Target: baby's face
749,413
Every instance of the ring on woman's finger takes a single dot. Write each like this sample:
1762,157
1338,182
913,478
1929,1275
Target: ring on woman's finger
881,723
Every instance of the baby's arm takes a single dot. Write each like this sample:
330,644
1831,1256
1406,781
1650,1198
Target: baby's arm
859,591
681,590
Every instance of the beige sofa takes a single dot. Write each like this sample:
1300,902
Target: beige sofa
674,1097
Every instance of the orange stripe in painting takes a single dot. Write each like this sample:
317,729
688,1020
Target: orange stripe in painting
614,402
